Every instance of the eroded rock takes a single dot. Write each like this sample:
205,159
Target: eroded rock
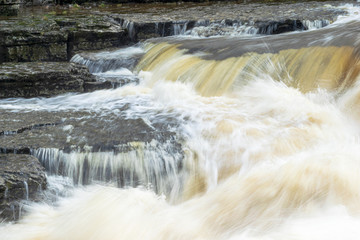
42,79
57,38
88,145
21,177
227,18
75,130
32,40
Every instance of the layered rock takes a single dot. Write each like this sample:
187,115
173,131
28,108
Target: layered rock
20,132
89,145
56,38
9,7
93,32
226,18
21,177
44,79
32,40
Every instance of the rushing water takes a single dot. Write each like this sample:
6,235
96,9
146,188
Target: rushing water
270,142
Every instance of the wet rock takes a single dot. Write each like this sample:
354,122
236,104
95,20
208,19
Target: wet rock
42,79
9,10
94,33
93,86
226,18
32,40
21,177
56,38
108,60
220,50
112,81
74,130
9,7
280,27
112,68
96,145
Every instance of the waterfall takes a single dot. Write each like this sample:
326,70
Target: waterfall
250,137
132,165
26,191
107,61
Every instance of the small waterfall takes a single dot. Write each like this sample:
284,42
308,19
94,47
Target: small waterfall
323,70
161,28
26,195
205,28
129,25
179,28
6,192
209,28
316,24
110,60
148,164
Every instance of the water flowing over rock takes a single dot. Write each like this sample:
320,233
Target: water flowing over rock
21,177
100,145
58,37
109,60
240,131
254,57
225,19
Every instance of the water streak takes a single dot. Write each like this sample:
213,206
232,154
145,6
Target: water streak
133,164
26,191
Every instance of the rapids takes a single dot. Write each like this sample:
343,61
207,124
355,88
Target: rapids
270,134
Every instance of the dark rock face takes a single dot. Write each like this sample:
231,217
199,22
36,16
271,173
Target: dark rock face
56,38
21,177
281,26
42,79
9,7
92,32
32,40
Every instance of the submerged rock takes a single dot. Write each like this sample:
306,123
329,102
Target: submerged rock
21,177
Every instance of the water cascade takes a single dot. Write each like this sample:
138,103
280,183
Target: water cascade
156,166
329,63
269,132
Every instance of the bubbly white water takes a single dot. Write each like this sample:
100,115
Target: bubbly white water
264,162
274,163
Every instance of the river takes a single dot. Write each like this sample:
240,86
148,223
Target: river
269,131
